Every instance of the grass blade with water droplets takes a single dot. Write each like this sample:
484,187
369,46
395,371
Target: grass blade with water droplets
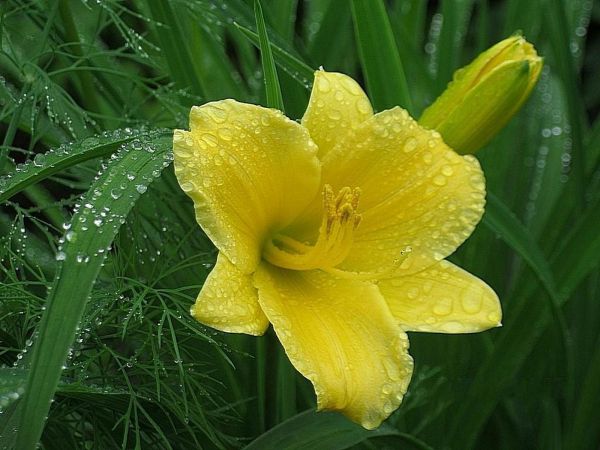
297,69
45,165
94,226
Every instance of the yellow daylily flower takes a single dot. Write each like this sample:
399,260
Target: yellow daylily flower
484,95
335,230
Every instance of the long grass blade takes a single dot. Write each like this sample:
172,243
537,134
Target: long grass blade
383,69
584,431
579,255
557,23
272,87
503,222
293,65
45,165
324,431
87,242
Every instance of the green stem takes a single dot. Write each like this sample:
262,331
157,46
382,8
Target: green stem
89,97
261,369
286,387
9,137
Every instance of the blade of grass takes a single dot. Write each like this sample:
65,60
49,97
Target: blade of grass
283,15
12,381
386,80
295,67
272,88
336,23
286,386
261,381
67,155
184,66
503,222
558,31
86,79
323,431
584,431
579,255
408,19
94,226
455,17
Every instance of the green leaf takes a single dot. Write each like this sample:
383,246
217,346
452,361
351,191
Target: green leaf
296,68
273,90
45,165
455,14
585,431
337,23
379,56
184,67
579,253
558,27
312,430
502,221
87,241
12,381
576,259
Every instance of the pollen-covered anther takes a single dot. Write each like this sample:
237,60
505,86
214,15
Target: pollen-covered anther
336,234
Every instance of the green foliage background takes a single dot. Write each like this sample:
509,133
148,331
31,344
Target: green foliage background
100,256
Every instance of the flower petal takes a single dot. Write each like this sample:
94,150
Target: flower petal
416,193
250,171
337,105
341,336
228,301
443,298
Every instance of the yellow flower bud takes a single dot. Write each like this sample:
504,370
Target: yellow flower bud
484,95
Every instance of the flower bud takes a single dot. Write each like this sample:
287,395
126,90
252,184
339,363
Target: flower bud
484,95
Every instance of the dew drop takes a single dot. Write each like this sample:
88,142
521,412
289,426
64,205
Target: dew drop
39,160
472,303
410,144
323,84
443,307
447,171
439,180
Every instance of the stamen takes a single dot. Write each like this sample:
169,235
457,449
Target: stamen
336,233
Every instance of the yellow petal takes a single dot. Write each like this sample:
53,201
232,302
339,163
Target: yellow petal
250,171
337,105
444,299
340,335
228,301
416,193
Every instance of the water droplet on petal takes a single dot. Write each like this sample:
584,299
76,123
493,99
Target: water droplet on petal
410,144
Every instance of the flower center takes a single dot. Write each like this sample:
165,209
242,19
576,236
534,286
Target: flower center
333,243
